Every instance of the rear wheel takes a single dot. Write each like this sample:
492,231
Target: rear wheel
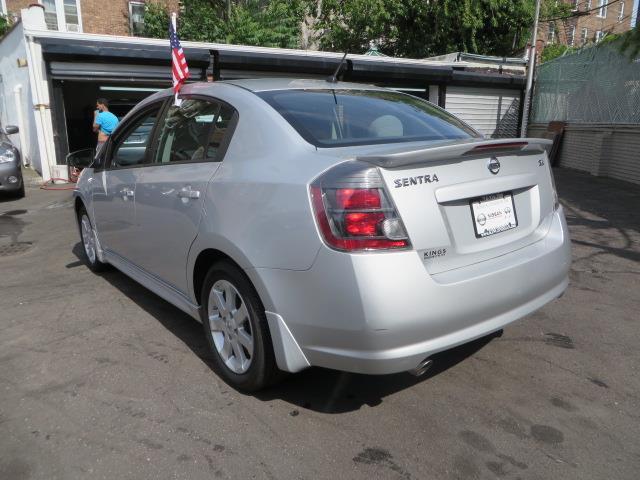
89,242
236,329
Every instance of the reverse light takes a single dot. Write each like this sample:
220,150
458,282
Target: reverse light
353,210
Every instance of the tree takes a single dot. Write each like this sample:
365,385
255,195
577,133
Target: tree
419,28
404,28
250,22
5,25
554,50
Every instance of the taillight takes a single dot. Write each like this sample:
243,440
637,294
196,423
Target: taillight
353,210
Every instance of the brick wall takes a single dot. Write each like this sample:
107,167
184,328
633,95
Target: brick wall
111,18
98,16
610,24
14,6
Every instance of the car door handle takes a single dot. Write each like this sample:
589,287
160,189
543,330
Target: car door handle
186,192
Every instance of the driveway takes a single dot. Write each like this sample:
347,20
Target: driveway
99,378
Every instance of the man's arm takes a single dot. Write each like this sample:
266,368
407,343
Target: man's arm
96,122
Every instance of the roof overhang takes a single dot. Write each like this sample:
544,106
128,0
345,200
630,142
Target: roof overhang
67,48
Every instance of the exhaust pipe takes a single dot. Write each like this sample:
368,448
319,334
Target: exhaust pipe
422,367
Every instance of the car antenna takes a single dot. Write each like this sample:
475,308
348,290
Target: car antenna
334,78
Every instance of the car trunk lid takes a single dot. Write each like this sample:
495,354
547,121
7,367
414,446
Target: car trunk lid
466,202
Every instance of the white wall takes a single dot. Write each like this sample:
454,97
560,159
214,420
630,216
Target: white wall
605,150
12,48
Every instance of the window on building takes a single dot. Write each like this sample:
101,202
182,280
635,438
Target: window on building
575,5
602,10
136,18
572,35
588,5
599,35
583,36
621,13
551,34
3,7
62,15
50,14
71,16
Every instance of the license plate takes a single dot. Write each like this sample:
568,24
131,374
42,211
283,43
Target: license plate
493,214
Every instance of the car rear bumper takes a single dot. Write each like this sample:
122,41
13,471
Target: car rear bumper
384,313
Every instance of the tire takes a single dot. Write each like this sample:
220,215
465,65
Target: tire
236,329
88,241
20,193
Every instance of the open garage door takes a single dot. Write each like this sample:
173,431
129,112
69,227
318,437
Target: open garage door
75,103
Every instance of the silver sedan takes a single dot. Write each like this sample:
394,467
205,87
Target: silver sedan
318,223
11,180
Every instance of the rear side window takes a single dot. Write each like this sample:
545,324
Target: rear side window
192,132
338,118
184,131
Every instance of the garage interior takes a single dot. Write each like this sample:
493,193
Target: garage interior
75,118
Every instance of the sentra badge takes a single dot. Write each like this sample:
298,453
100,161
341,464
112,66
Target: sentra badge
419,180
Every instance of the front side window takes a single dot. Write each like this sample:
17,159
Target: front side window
193,132
130,148
338,118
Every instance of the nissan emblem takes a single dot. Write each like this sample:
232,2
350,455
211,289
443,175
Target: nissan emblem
494,165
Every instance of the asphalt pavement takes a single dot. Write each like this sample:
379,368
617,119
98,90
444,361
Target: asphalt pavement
100,378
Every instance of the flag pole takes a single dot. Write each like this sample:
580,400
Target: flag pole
174,17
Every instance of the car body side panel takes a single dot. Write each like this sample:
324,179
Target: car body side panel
257,202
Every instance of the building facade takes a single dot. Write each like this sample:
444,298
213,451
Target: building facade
589,22
117,17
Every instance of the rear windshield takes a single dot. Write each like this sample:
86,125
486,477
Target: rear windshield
339,118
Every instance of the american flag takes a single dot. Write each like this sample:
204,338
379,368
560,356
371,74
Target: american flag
179,68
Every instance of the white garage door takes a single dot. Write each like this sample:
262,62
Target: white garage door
493,112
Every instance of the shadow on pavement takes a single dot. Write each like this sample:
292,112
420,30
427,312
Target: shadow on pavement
601,213
317,389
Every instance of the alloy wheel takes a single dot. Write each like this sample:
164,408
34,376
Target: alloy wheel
230,326
88,238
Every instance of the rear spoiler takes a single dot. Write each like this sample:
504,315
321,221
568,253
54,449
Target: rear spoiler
452,150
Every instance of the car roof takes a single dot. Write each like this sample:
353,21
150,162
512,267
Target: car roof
265,84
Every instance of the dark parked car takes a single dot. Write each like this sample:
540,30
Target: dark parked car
10,164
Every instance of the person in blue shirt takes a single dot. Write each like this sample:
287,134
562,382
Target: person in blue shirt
104,122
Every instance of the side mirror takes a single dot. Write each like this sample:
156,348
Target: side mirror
10,129
81,158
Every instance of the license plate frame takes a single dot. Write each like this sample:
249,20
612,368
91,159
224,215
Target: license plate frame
493,214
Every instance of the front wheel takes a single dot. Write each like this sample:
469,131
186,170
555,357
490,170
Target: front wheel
236,329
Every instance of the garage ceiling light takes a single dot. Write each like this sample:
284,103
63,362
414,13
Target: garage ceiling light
129,89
